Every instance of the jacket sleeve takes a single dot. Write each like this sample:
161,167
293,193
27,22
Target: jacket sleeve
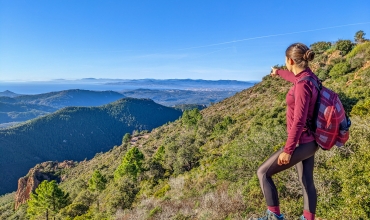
287,75
302,97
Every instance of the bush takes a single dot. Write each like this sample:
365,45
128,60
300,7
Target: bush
191,117
357,63
74,209
337,60
340,69
121,195
126,138
161,192
360,49
320,47
361,109
322,73
344,46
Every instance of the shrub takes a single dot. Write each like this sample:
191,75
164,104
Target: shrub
344,46
360,51
340,69
160,193
222,126
187,158
361,109
320,47
357,63
126,138
74,209
322,73
336,60
155,211
191,117
121,195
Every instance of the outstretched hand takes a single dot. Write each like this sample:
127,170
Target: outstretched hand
273,71
284,158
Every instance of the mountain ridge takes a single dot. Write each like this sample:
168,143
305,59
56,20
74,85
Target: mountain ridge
75,133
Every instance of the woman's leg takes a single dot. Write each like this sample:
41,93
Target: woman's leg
305,176
270,167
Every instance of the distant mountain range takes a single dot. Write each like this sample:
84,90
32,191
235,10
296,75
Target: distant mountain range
37,87
173,97
186,84
24,107
74,133
17,108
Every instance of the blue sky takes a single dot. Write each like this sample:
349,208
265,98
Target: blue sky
53,39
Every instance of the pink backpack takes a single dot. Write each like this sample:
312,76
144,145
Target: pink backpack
330,122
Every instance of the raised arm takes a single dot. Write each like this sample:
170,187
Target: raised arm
287,75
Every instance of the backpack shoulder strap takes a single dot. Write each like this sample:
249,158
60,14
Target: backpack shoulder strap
312,125
311,79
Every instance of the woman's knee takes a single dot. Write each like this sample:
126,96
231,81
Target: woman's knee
307,183
261,171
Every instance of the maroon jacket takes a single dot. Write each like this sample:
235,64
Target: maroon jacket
300,101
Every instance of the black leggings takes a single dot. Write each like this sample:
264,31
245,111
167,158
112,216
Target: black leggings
303,159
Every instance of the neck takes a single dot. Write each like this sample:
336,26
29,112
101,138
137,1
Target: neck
297,70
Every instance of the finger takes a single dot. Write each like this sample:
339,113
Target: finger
279,162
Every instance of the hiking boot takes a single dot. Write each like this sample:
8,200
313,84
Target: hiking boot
269,216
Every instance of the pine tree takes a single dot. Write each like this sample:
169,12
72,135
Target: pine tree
359,37
132,164
97,182
47,200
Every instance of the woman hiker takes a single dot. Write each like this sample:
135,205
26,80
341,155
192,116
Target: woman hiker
300,146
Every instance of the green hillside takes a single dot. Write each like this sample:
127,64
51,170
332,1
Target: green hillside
74,133
203,166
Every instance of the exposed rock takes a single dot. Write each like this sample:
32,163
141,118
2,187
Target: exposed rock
335,55
45,171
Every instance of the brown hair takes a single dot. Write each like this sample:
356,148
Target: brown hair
300,54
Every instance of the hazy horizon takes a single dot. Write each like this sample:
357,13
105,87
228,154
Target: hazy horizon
38,87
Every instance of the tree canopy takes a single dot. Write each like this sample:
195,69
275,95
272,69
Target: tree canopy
132,164
47,200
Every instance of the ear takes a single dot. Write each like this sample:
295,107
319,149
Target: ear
290,61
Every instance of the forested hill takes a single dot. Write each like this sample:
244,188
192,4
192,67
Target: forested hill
8,93
203,166
73,97
17,112
74,133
